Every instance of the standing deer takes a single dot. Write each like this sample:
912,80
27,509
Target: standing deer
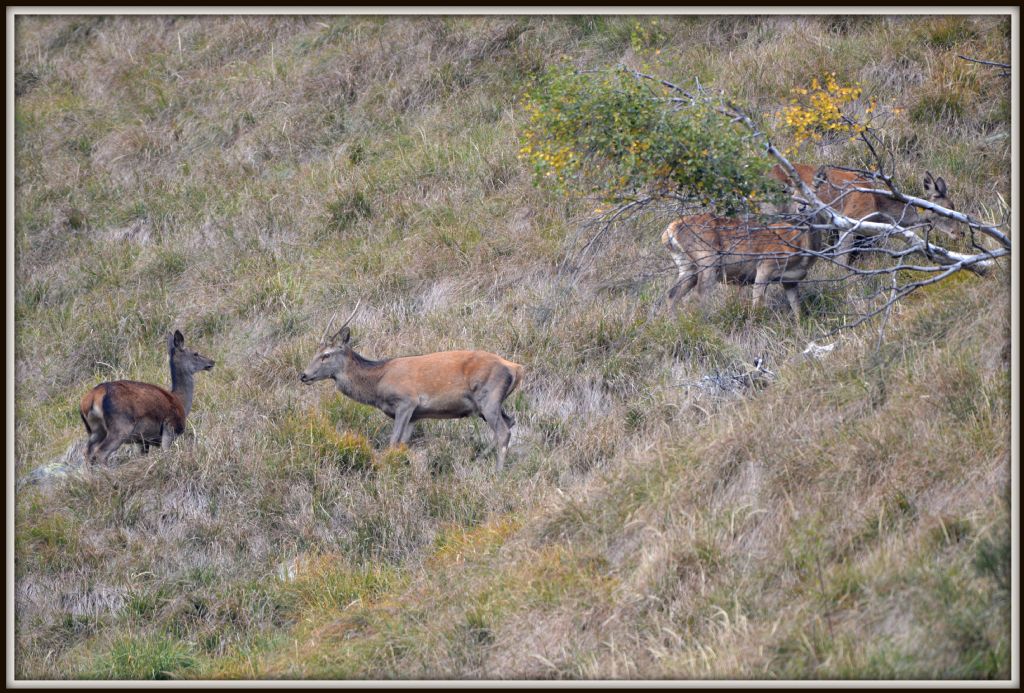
835,187
707,248
443,385
127,411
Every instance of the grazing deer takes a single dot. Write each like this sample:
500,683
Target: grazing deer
707,248
443,385
835,187
127,411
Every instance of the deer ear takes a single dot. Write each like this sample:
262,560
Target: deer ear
940,186
342,337
928,181
179,339
820,176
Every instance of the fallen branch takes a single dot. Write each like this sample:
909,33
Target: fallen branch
990,63
986,229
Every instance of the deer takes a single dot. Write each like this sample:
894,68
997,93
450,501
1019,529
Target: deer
706,248
128,411
836,188
440,385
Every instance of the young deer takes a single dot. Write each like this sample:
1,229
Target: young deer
707,249
127,411
443,385
836,188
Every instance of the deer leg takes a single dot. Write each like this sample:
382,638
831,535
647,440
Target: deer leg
496,417
707,273
113,440
167,436
793,296
97,432
686,280
406,434
761,279
847,250
402,430
509,421
502,434
683,286
95,438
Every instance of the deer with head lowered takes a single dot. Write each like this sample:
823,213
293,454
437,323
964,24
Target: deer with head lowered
127,411
836,187
442,385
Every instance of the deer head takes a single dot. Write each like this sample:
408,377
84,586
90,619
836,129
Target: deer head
334,353
185,361
935,190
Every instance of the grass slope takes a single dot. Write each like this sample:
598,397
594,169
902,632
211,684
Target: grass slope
244,178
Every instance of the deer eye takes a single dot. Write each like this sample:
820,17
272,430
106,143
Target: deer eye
323,357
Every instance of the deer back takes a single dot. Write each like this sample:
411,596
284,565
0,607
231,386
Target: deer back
739,246
837,188
142,405
702,233
454,371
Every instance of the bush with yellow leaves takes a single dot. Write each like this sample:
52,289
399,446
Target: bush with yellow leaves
826,108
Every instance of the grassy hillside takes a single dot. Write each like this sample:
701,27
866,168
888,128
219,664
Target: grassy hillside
242,179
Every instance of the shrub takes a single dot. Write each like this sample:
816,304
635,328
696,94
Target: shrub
822,109
992,559
609,133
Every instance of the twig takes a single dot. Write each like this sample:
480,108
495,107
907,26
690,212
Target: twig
990,63
888,312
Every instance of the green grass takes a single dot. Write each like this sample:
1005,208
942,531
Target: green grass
243,179
146,658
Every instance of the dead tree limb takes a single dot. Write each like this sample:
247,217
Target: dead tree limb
990,63
986,229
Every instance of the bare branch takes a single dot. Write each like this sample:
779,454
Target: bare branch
979,263
605,222
990,63
986,229
737,115
899,293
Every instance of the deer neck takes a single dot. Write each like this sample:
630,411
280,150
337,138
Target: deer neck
358,380
182,385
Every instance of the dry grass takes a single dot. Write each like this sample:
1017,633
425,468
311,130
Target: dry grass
244,178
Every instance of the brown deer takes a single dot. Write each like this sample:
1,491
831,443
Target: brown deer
836,188
707,248
127,411
443,385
